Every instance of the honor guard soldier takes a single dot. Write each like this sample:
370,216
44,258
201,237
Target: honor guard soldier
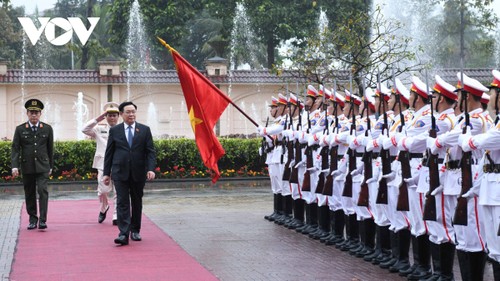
471,247
441,231
99,132
342,174
414,143
33,156
274,164
489,189
400,225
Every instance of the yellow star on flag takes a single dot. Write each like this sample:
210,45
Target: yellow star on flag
194,120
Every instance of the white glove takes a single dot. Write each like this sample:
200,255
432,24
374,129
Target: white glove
260,131
372,179
350,140
336,173
312,169
412,182
437,191
430,142
382,137
50,172
463,140
390,176
261,151
362,139
301,163
325,170
292,163
312,139
470,194
358,171
372,143
288,134
396,138
433,146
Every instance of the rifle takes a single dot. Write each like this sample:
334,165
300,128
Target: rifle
385,156
347,192
324,151
364,193
403,157
432,164
460,217
263,144
289,148
306,184
294,176
328,188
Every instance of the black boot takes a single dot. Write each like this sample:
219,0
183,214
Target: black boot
353,233
447,253
416,259
323,223
307,208
362,238
496,270
394,252
331,233
272,216
384,239
378,246
424,255
403,260
286,207
313,223
348,238
436,262
370,232
298,214
477,263
463,263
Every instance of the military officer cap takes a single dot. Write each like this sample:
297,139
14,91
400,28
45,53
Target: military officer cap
350,97
274,102
496,79
369,98
282,100
485,98
419,87
338,98
444,88
312,92
403,92
382,89
33,104
471,85
110,107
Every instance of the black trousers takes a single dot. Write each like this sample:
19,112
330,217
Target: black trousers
129,210
32,184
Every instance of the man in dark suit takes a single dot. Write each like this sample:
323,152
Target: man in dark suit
33,153
130,160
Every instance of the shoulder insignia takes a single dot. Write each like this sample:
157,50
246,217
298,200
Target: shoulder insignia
443,116
475,115
379,126
360,128
322,122
419,124
426,112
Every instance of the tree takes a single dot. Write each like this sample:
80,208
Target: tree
165,19
275,21
359,39
9,38
479,44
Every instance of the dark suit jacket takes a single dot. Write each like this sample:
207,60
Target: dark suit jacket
33,152
120,161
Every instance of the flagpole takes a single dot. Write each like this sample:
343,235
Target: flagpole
210,83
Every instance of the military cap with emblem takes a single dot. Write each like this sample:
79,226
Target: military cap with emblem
33,104
419,87
444,88
471,85
496,79
403,92
110,107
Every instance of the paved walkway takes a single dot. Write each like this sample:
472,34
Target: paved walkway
223,228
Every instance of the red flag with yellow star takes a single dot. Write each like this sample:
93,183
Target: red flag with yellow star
205,104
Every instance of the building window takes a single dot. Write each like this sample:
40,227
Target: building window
109,72
217,72
110,92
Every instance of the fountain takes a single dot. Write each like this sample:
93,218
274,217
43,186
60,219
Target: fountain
52,115
81,113
137,47
153,119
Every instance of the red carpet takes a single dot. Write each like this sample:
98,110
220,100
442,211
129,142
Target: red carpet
76,247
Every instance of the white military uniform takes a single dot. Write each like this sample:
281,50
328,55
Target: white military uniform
100,132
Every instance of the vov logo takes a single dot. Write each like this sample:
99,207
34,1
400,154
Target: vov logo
49,26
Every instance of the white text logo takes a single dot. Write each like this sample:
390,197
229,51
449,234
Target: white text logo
49,26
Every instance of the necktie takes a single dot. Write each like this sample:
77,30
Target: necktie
34,128
130,136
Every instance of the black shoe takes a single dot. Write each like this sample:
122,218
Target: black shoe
42,225
102,216
122,240
135,236
115,222
31,226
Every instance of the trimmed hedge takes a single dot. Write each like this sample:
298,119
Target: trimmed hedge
175,158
